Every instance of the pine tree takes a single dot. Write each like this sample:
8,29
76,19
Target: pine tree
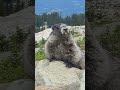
17,7
31,2
11,7
22,6
1,8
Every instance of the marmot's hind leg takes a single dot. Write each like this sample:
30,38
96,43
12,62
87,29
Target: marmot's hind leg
50,58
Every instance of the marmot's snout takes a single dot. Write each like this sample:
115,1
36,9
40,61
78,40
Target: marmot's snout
61,29
65,32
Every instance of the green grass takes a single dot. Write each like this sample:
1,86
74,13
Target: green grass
81,43
39,55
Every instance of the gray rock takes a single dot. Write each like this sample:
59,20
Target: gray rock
23,84
57,75
4,86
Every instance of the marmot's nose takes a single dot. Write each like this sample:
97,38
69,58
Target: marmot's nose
66,32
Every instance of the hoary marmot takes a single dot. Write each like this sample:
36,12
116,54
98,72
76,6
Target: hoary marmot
102,70
61,46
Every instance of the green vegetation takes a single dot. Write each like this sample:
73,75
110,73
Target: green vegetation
11,68
97,17
75,34
39,55
3,43
8,7
10,71
53,18
14,41
110,41
81,43
80,39
102,21
40,44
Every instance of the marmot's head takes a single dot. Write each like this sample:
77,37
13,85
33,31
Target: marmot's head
61,30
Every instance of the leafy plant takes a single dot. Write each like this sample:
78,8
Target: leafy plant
110,41
9,71
40,44
81,43
40,55
11,68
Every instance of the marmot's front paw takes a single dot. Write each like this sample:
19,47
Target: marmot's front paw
50,59
82,65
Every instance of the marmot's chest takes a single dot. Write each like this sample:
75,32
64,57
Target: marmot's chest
62,48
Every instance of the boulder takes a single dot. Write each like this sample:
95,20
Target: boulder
56,76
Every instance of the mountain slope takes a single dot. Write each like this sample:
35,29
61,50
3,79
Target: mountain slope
23,19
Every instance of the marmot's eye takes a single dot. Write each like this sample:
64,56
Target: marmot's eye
65,29
57,27
54,27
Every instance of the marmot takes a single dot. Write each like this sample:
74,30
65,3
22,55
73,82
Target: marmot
102,69
61,46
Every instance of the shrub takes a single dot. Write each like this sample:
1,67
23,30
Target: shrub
40,44
81,43
4,43
110,41
40,55
11,68
10,71
36,44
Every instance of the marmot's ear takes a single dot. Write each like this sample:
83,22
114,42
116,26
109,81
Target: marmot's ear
56,26
53,27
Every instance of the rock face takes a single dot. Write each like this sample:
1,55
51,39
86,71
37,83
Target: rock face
56,76
23,84
3,86
24,19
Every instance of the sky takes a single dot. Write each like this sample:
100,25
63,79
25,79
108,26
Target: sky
64,7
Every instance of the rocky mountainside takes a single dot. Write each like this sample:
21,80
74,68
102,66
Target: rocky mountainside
24,19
